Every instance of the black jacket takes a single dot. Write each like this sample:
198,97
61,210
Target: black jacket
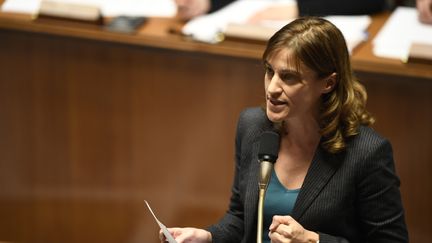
349,197
326,7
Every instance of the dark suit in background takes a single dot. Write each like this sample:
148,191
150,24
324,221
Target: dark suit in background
326,7
349,197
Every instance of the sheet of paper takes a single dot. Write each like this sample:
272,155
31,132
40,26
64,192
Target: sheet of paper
109,8
21,6
399,32
207,28
164,229
353,28
147,8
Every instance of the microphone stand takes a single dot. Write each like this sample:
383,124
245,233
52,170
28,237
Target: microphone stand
265,174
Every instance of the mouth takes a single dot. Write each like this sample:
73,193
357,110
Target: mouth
276,102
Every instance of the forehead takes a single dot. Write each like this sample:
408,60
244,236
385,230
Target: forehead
285,59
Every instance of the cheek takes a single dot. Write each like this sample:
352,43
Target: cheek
266,84
294,92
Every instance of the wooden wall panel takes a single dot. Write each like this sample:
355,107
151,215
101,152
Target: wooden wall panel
403,111
89,129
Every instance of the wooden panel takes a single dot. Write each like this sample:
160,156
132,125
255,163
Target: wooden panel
403,110
364,60
91,129
157,33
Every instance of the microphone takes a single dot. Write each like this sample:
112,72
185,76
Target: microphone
267,155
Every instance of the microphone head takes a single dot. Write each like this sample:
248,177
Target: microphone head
269,146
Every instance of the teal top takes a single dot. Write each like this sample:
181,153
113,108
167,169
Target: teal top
278,201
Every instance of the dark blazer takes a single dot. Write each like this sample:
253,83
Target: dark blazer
326,7
349,197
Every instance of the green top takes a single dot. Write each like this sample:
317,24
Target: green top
278,201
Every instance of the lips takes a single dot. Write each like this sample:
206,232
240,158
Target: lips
276,102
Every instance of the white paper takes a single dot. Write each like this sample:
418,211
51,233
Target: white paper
147,8
353,28
206,28
21,6
398,33
109,8
164,229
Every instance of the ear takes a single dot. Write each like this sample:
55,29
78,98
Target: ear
330,83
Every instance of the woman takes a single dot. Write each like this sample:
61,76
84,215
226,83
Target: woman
334,179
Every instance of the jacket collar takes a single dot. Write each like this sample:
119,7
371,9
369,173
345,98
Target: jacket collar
320,172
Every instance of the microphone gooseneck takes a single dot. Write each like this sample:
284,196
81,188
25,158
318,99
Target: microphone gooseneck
267,155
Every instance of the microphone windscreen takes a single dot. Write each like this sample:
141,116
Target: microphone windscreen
269,146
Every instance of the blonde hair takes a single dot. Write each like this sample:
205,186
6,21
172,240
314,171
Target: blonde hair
318,44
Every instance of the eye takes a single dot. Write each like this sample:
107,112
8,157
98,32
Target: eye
289,77
269,72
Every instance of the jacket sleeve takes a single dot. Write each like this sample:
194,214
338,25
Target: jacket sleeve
231,227
340,7
379,201
218,4
326,7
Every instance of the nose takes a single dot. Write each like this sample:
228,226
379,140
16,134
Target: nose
273,87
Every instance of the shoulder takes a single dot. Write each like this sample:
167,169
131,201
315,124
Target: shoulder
367,141
253,115
253,118
369,152
251,123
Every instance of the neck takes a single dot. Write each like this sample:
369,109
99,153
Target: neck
301,133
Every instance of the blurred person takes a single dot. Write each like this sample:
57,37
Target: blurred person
424,8
188,9
334,179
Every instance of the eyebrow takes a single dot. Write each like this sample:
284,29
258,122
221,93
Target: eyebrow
290,72
283,71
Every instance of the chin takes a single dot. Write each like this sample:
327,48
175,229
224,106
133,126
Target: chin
275,117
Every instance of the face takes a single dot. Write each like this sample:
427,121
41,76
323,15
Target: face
292,94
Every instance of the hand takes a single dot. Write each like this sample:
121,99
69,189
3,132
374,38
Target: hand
284,229
187,9
424,8
282,12
190,235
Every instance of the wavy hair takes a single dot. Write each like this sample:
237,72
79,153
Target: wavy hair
318,44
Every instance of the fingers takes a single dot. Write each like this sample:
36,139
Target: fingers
187,234
424,8
161,236
173,231
184,237
275,237
277,13
187,9
277,220
284,231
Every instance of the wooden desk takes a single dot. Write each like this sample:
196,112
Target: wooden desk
364,60
92,123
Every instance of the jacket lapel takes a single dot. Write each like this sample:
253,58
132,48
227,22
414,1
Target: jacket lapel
322,169
251,205
252,190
